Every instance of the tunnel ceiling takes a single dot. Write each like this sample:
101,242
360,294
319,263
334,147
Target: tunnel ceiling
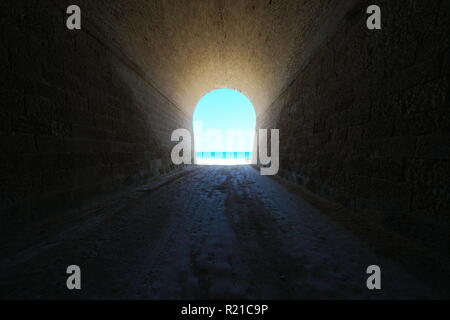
188,48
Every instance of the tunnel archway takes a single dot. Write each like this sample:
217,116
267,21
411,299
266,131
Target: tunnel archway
224,122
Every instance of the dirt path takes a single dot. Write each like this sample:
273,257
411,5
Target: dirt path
216,232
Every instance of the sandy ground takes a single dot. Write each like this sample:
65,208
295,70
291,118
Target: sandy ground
220,232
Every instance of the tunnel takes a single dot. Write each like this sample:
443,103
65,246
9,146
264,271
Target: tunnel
87,178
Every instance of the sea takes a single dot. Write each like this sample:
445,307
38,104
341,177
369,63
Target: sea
224,155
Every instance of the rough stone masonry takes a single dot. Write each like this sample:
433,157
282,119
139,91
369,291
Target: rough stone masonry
366,121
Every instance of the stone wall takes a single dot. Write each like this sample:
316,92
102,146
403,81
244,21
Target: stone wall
366,122
77,117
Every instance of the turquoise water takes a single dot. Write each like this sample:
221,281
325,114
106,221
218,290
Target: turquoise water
224,155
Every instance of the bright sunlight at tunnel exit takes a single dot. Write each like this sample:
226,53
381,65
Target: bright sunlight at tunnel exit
224,128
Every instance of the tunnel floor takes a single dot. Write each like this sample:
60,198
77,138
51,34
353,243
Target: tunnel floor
222,232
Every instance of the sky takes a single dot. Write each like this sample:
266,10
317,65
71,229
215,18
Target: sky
217,116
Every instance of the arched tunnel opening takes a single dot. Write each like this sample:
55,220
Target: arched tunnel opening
358,117
224,123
